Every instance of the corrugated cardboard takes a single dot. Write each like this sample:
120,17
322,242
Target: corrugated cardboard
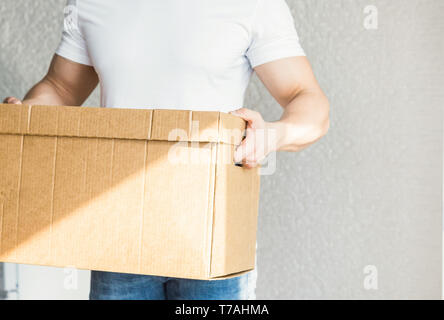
99,189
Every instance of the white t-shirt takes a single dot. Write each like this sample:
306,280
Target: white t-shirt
177,54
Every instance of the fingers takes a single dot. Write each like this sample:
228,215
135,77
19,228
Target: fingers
253,118
251,151
12,100
245,150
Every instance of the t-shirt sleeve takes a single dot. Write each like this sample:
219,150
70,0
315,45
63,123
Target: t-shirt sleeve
73,46
273,34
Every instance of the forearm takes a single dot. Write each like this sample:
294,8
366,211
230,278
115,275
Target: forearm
46,92
305,120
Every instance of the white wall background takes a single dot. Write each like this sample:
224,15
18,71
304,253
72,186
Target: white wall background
368,194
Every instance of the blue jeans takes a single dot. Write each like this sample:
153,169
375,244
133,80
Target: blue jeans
121,286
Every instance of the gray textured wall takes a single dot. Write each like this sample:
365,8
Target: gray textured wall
2,283
367,194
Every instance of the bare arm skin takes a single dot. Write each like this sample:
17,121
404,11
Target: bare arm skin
306,111
66,83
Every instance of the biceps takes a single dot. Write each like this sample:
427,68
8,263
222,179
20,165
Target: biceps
286,78
73,81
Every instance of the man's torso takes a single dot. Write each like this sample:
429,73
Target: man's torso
170,53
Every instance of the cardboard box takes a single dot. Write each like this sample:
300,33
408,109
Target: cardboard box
135,191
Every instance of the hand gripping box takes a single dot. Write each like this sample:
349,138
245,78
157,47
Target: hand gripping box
151,192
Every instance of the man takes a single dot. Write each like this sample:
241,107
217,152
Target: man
194,54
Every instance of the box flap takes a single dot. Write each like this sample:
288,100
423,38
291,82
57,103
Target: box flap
138,124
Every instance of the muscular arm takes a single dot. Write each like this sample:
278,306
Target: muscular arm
66,83
306,110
